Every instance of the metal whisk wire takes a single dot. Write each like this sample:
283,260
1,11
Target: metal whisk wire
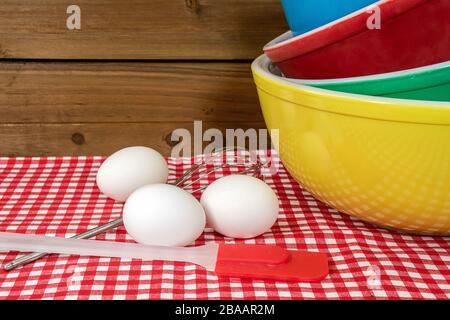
195,173
199,171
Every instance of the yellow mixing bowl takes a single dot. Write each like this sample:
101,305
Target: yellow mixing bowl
386,161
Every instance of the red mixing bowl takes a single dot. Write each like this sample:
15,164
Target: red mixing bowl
413,33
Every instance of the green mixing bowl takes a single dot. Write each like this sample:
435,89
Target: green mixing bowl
431,83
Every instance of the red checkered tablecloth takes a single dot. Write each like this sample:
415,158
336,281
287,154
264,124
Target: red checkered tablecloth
58,197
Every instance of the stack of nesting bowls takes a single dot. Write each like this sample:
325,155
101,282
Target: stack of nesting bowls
364,114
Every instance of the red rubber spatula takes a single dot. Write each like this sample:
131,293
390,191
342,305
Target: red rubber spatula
270,262
230,260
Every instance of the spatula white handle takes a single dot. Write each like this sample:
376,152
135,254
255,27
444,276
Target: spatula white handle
22,260
205,256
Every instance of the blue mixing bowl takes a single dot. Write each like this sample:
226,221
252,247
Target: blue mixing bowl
306,15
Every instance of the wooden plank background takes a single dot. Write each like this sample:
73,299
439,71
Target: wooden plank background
112,105
96,138
72,92
134,72
139,29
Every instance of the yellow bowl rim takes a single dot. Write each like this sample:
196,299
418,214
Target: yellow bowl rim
357,105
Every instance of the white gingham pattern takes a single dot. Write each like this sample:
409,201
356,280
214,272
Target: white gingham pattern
58,197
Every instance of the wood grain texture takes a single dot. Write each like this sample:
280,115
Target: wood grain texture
139,29
94,138
86,108
78,92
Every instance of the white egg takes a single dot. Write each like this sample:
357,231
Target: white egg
162,214
240,206
131,168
